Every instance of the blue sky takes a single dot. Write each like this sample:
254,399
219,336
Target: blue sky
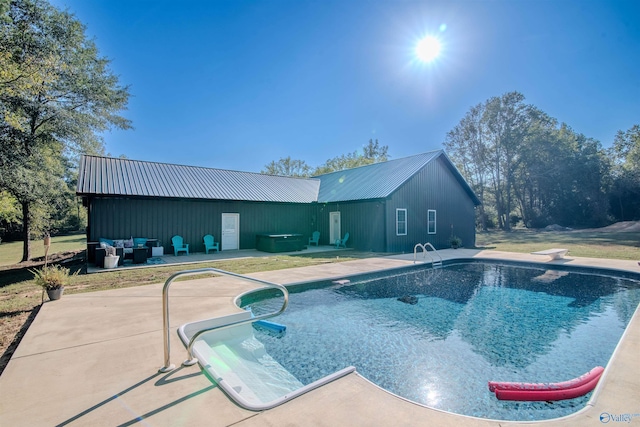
236,84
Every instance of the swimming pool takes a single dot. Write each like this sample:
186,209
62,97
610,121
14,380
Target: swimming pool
472,322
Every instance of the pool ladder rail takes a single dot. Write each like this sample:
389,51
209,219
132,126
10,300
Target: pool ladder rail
191,360
435,263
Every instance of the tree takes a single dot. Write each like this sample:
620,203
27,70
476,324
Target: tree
539,176
371,153
9,214
509,122
562,179
625,189
287,167
466,144
523,166
56,96
487,144
626,148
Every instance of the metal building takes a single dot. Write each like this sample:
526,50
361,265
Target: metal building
385,207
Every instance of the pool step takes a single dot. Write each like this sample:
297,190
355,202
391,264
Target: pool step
241,366
249,370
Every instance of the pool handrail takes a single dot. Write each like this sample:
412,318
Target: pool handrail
425,252
167,367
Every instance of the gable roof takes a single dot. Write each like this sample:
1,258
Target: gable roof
123,177
107,176
374,181
380,180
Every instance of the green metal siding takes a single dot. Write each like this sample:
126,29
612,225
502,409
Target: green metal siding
163,218
434,187
364,221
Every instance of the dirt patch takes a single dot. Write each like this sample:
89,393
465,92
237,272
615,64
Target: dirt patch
9,274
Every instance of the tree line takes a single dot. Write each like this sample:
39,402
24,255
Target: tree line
526,167
373,152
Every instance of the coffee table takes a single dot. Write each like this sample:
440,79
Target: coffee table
140,255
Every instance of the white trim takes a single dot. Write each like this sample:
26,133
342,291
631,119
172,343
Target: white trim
398,210
429,231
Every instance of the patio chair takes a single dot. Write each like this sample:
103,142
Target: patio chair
342,243
210,244
315,238
179,245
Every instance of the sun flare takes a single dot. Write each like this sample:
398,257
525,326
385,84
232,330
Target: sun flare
428,49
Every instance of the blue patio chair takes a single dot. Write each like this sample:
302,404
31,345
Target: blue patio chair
179,245
315,238
342,243
210,244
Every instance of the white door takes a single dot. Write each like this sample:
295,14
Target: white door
230,231
334,227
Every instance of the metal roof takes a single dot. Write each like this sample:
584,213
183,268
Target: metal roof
380,180
124,177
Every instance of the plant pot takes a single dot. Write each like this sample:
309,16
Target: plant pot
111,261
55,294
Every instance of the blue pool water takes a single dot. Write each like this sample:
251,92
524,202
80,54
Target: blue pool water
472,323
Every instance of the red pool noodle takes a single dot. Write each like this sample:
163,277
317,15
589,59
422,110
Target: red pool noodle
537,395
576,382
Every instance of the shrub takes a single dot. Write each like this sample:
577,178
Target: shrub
51,276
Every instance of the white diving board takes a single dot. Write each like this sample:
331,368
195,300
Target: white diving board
554,253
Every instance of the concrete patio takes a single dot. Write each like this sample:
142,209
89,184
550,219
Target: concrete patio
92,360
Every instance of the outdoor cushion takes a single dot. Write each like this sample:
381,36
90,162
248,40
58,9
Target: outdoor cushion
139,241
118,243
107,241
128,243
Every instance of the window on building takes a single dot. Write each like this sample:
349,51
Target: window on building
431,221
401,222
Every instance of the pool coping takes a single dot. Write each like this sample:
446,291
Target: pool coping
92,359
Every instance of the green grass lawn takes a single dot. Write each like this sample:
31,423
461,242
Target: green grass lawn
11,252
591,244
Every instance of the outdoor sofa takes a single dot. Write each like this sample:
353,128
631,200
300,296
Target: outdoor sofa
124,248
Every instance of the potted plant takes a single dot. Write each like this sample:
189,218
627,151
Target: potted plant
52,278
455,242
